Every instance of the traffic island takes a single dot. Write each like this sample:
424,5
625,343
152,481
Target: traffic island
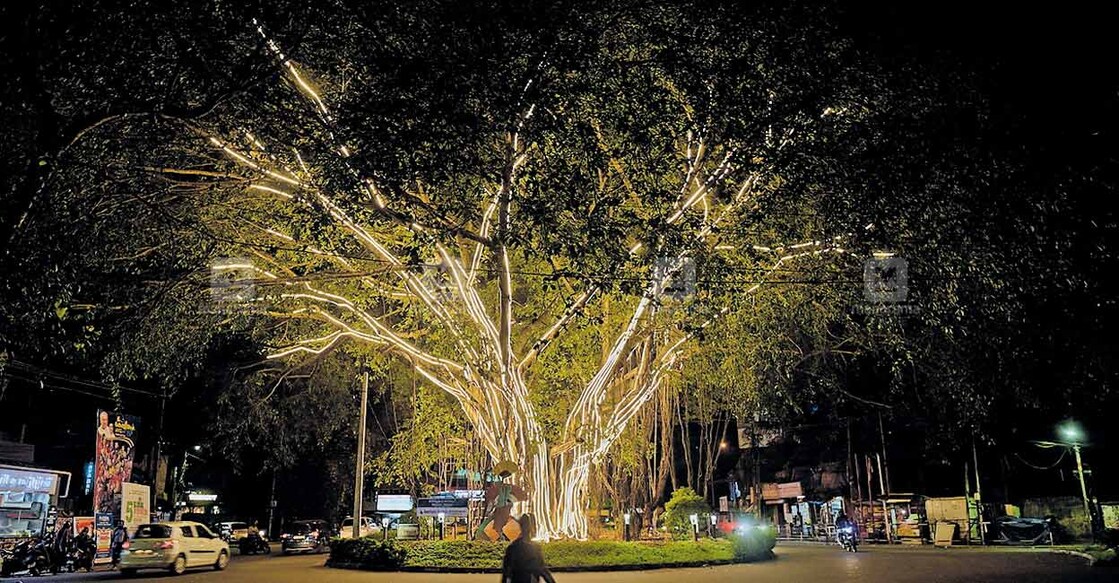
374,554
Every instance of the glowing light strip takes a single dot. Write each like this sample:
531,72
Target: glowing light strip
270,190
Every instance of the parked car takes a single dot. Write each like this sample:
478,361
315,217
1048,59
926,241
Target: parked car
305,536
368,527
175,546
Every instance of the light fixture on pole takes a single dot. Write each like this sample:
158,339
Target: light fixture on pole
695,526
1073,435
626,518
442,521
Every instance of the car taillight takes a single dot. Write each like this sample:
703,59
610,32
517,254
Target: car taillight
167,544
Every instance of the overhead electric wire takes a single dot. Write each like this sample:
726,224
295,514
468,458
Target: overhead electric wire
1055,464
42,372
43,384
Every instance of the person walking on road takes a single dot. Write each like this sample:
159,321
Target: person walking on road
120,536
524,562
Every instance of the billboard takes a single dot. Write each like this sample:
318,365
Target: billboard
116,446
446,506
392,503
134,508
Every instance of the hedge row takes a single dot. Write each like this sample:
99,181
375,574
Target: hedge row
371,553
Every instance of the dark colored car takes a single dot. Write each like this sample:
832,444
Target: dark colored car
305,536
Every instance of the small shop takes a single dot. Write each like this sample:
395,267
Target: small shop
28,496
201,505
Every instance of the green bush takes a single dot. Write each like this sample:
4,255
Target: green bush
374,554
753,543
458,554
368,553
678,511
573,554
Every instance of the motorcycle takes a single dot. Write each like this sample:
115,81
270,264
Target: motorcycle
254,544
29,556
80,555
847,538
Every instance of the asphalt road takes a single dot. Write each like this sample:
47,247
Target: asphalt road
794,563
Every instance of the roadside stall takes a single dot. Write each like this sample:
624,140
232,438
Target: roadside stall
956,513
905,517
27,497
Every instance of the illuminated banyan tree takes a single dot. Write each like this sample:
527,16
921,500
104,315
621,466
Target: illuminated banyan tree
340,256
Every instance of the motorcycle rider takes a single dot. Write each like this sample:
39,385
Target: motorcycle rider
842,524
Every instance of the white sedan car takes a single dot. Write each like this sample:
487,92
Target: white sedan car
175,546
367,526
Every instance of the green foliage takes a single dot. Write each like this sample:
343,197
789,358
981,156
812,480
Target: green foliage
455,554
432,431
754,544
563,554
678,510
370,553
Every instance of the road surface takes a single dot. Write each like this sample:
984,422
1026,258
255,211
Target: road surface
794,563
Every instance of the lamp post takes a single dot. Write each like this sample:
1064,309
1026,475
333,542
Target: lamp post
442,522
1073,434
626,518
695,526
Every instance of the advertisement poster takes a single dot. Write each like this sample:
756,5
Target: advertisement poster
116,436
134,509
84,523
103,525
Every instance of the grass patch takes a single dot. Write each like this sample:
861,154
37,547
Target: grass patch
583,554
1101,554
374,554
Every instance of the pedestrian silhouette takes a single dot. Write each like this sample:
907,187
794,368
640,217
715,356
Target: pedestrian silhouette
524,562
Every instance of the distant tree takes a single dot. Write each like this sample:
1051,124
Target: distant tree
678,512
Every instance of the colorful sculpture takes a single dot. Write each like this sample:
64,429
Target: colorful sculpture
501,496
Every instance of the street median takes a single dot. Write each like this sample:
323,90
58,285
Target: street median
565,555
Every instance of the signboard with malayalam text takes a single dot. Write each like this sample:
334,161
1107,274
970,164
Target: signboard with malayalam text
116,443
13,480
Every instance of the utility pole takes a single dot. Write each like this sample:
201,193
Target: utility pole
1083,488
885,466
978,495
359,471
272,505
156,486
